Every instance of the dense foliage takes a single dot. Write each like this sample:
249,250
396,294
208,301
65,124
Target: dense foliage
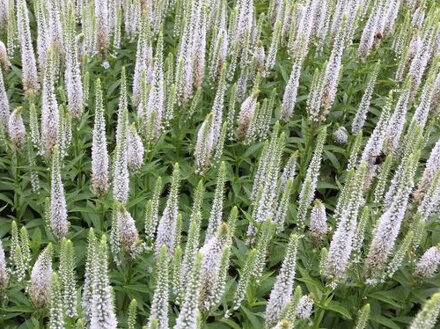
219,164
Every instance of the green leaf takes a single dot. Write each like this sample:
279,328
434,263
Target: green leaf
338,308
383,321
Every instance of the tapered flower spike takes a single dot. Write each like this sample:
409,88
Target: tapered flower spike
20,262
219,48
272,53
334,68
185,69
14,236
340,136
259,56
72,73
178,288
220,143
25,248
102,25
374,145
368,34
264,117
132,310
398,118
304,308
399,256
418,227
431,200
429,263
121,180
428,315
264,162
361,114
34,126
64,137
144,59
244,20
102,308
195,102
309,185
215,217
363,316
204,145
67,278
11,29
315,95
265,181
117,28
421,59
86,87
422,111
262,248
155,110
56,316
211,135
199,45
135,149
188,316
55,33
245,279
217,108
413,141
87,294
160,302
43,37
4,276
283,288
17,131
383,179
388,225
359,235
290,93
100,162
192,246
341,245
166,232
231,111
290,313
49,108
283,206
4,104
128,234
213,251
123,103
29,65
115,236
246,114
58,207
198,198
19,270
289,171
39,288
318,220
432,167
220,284
152,210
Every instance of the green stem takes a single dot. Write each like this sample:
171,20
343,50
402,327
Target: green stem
320,312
